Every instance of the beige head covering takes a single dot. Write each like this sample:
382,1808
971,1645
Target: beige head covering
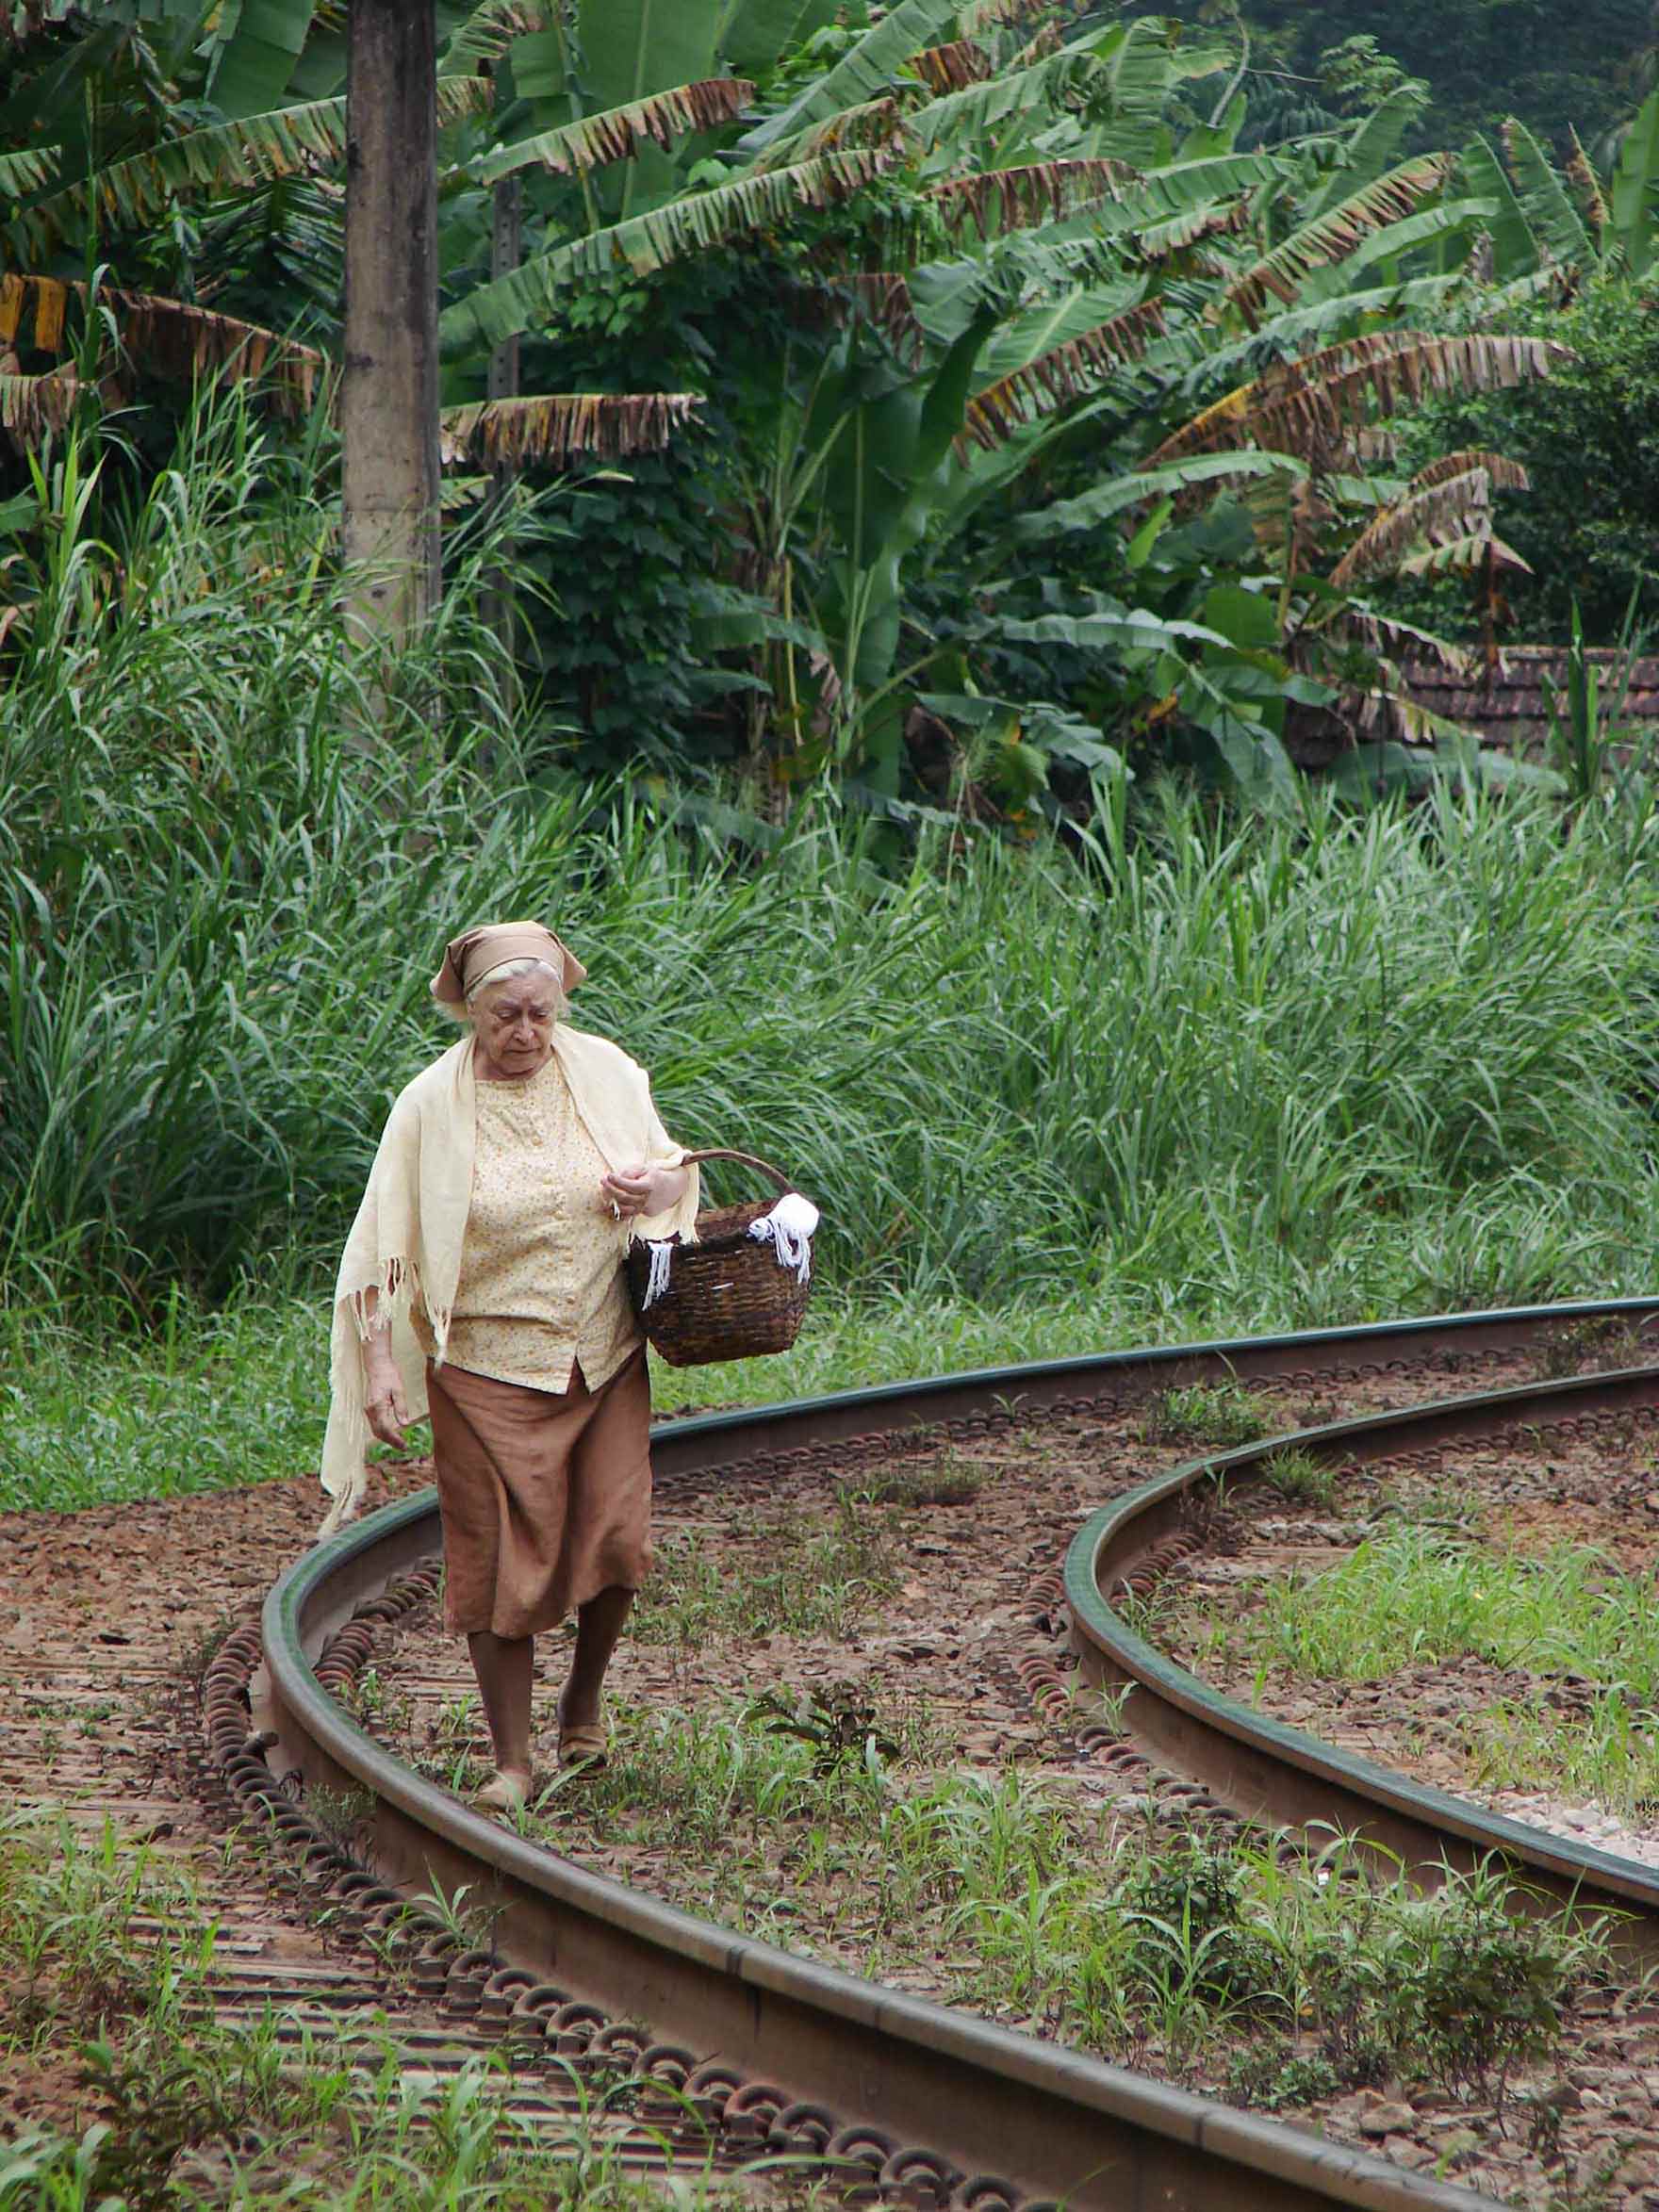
475,952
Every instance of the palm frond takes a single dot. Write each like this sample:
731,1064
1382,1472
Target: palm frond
1101,502
553,426
1550,215
616,134
168,335
486,34
865,71
1057,377
1455,507
1387,199
883,298
644,243
972,115
952,68
31,407
225,157
1503,474
1329,395
28,169
1462,556
1373,145
1163,241
1388,633
1044,192
876,123
1581,175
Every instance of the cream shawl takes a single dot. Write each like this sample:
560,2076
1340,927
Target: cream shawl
405,1243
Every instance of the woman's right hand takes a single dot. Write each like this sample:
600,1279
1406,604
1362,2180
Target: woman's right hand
383,1393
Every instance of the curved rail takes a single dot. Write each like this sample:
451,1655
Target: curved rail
1265,1769
1059,2126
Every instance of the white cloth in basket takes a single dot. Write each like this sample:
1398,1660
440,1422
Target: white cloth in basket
788,1229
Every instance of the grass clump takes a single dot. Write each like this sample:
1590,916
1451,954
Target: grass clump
811,1577
947,1481
1301,1476
1222,1415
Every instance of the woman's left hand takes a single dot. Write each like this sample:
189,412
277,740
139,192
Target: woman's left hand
636,1190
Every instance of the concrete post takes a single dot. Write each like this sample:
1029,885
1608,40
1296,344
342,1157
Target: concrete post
389,386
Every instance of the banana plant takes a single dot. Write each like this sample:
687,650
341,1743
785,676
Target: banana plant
1573,221
60,204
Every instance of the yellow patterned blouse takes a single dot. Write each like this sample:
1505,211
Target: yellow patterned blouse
542,1283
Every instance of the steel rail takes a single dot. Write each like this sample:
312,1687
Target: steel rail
1057,2125
1268,1771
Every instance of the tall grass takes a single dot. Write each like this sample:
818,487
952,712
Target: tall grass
1250,1075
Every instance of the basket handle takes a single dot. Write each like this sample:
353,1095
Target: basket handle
747,1159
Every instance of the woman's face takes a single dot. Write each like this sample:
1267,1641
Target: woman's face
512,1021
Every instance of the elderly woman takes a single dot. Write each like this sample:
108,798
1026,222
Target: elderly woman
484,1280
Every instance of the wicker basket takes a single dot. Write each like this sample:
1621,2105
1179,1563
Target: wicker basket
726,1296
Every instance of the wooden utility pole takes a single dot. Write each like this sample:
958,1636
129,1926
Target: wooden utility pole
389,387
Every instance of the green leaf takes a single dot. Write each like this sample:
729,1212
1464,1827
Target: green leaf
1515,251
538,68
251,69
1141,73
1132,630
616,133
864,73
1550,215
725,619
1635,185
643,244
759,31
1091,508
1373,146
1243,617
27,170
633,47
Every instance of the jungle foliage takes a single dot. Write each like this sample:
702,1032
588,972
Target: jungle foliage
1485,59
1027,412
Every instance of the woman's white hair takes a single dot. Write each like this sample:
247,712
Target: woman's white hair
505,971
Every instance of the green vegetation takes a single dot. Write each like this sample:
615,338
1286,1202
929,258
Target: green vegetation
1413,1595
197,2114
1067,1060
1416,1596
992,1884
1300,1475
1220,1413
809,1578
1484,59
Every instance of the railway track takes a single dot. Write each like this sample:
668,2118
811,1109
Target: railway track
722,2047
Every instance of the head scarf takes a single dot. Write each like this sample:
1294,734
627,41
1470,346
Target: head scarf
468,959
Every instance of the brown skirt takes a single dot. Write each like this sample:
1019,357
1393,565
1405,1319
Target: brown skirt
545,1496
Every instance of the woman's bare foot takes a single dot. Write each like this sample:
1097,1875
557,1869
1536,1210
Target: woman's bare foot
508,1792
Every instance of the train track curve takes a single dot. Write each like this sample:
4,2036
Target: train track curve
747,2045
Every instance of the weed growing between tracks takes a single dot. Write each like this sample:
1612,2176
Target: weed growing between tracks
119,2088
1582,1638
1028,1899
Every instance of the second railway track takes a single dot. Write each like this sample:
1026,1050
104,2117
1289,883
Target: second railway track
739,2045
